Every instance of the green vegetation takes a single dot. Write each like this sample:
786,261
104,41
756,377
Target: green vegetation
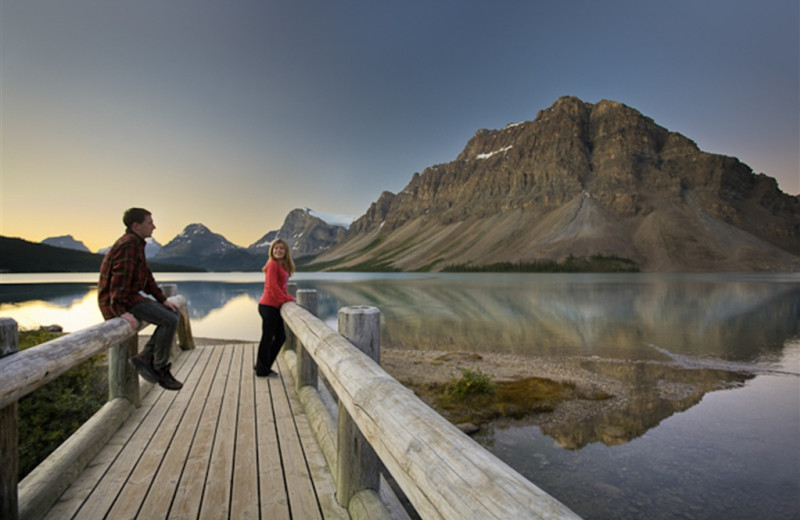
592,264
51,413
371,266
471,384
572,264
476,398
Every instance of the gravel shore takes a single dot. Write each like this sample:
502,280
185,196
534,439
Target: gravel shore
642,393
415,367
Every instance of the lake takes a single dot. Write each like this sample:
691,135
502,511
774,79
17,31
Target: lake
731,452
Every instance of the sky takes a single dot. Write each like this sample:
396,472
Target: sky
232,113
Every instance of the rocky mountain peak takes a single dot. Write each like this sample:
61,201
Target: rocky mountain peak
196,239
306,233
622,184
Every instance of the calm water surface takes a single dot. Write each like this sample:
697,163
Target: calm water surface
731,451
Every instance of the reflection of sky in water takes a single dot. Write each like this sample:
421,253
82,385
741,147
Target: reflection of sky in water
237,319
82,313
734,455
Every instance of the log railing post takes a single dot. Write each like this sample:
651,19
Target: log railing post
184,334
291,342
169,290
123,379
358,467
9,432
307,372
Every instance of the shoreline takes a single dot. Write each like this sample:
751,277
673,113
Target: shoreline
415,368
638,394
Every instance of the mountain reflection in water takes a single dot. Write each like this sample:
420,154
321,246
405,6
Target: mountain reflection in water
617,317
651,392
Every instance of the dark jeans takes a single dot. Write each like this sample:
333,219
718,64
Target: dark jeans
166,322
273,335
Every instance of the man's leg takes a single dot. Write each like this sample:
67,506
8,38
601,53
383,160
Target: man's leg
166,322
160,343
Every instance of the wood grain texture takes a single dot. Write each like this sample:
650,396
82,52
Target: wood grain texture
443,472
218,448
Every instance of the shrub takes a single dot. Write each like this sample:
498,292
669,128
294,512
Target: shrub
51,413
470,384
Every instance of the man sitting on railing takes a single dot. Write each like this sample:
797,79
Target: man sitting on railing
123,274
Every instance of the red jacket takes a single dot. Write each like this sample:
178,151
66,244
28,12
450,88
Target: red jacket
275,284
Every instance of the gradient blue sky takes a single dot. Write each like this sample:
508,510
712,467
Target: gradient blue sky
232,113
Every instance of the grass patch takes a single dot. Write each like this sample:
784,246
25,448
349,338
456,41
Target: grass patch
470,385
475,398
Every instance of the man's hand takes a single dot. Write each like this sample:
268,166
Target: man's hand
171,306
131,319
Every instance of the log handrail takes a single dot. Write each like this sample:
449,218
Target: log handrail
23,372
442,471
29,369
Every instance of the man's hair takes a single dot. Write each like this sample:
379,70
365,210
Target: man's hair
134,215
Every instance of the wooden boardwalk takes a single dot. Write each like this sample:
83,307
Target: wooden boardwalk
228,445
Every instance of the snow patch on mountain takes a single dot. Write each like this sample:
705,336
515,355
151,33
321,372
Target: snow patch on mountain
487,155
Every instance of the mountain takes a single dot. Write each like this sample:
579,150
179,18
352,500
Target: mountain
20,256
307,233
581,180
67,242
198,246
151,248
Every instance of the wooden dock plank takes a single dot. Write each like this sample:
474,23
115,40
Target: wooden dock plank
245,468
317,465
226,446
196,388
132,440
302,496
146,470
216,498
190,490
272,487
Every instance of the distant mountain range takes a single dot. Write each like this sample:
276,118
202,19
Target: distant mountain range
307,232
67,242
303,229
579,183
20,256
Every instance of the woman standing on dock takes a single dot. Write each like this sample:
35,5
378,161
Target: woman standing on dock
277,270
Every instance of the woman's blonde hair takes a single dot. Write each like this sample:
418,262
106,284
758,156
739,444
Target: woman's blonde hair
286,261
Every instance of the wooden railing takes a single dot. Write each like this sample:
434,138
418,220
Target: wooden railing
442,472
23,372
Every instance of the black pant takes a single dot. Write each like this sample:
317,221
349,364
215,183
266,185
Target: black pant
273,335
166,322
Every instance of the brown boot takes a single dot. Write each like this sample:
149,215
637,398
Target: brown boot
144,365
166,379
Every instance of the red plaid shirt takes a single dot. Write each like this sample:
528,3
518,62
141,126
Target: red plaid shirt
123,273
